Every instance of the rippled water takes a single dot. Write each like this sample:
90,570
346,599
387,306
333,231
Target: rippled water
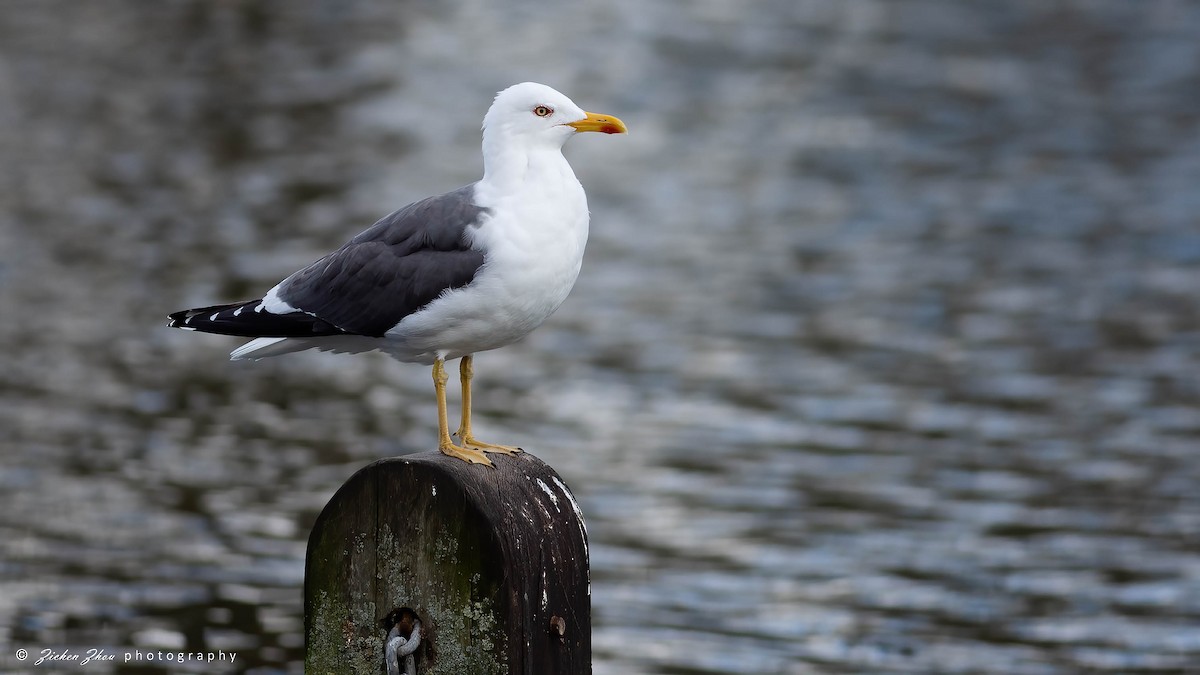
885,356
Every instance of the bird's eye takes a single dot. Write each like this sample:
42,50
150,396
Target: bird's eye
543,111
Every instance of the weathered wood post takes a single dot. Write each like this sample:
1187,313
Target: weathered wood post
492,563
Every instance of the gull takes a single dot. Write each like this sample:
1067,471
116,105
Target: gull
444,278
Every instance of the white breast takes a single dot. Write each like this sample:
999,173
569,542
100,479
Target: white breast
533,245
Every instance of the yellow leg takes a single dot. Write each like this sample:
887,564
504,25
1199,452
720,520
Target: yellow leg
447,446
465,371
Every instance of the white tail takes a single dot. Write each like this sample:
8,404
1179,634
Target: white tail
266,347
261,348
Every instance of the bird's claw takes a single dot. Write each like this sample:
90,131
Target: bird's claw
467,454
470,442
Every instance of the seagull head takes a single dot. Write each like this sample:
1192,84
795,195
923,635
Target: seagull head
532,115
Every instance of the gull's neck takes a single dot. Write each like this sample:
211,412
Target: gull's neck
508,166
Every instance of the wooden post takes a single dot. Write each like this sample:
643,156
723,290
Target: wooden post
492,562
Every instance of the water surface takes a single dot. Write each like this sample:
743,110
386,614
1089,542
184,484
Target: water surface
884,358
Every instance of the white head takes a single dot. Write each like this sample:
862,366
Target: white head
532,116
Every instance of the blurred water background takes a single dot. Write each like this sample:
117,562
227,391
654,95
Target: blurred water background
885,356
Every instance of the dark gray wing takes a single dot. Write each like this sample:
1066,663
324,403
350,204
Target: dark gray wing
392,269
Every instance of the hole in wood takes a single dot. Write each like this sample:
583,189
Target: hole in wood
558,626
404,638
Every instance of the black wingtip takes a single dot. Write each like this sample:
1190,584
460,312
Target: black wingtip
243,320
177,319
